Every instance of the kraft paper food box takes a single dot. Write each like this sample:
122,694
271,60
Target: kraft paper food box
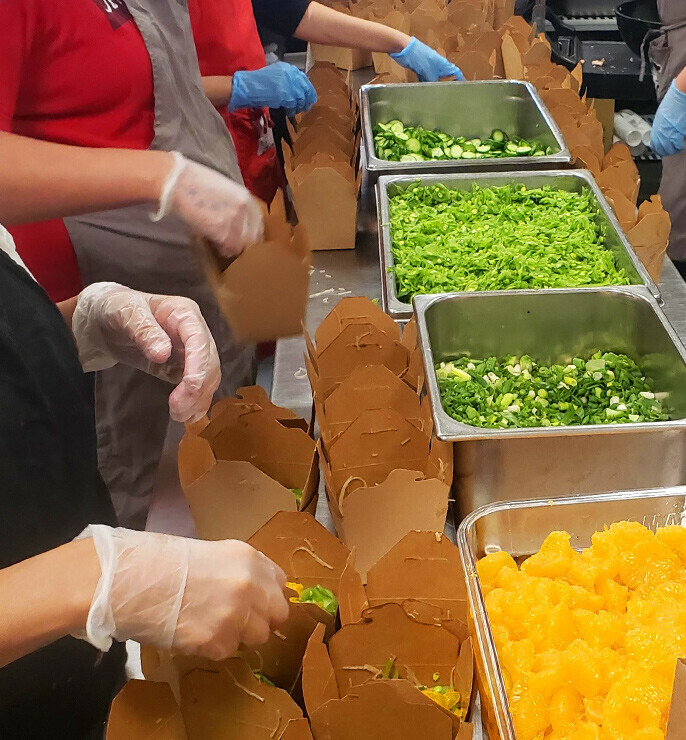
242,466
263,292
347,697
228,703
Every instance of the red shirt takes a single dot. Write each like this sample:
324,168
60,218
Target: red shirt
227,41
73,72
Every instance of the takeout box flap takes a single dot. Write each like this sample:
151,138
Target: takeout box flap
234,499
423,566
306,551
421,652
232,704
280,658
379,710
360,344
145,710
318,678
263,294
374,519
377,437
353,310
677,710
285,454
367,388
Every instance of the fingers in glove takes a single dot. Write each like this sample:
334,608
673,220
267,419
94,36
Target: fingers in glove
201,375
137,322
256,630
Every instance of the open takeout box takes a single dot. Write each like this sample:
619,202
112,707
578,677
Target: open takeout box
225,703
309,555
242,466
346,695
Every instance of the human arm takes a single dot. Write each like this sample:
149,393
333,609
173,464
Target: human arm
323,25
669,127
199,598
45,598
41,180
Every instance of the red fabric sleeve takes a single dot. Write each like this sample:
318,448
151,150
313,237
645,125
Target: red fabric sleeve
17,31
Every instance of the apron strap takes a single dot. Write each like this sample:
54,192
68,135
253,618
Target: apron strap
648,39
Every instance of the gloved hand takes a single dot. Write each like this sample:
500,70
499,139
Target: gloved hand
278,85
221,210
427,64
669,127
166,336
190,596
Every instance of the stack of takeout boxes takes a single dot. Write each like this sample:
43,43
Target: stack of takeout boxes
385,473
322,163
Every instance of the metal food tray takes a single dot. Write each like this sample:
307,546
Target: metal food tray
469,109
567,180
552,327
519,528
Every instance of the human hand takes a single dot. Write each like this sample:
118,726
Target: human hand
427,64
190,596
669,128
165,336
218,208
278,85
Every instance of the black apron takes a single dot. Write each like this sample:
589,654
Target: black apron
50,489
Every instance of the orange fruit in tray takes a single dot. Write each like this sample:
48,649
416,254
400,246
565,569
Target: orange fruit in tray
588,641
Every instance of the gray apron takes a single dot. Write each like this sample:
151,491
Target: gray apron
668,53
125,246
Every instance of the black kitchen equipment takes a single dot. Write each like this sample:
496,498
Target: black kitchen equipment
638,22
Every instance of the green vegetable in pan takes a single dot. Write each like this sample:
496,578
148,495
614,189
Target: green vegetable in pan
396,142
607,388
498,238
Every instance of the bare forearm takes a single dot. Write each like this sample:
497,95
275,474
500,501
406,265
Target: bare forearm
40,180
322,25
45,598
218,90
66,308
681,80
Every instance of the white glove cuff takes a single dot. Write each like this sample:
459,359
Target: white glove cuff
93,352
180,163
100,622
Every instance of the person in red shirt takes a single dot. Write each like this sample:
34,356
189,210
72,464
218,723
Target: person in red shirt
107,73
237,81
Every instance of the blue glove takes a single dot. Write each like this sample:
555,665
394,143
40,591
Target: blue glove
669,127
279,85
427,64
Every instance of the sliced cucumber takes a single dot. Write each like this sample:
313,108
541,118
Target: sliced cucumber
523,150
456,151
437,152
468,155
483,149
396,127
414,145
498,135
402,136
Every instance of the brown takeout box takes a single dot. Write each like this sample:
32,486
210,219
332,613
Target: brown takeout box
422,573
225,703
237,469
263,292
309,554
343,687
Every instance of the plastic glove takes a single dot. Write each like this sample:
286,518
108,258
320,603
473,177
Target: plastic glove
221,210
191,596
279,85
166,336
427,64
669,127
